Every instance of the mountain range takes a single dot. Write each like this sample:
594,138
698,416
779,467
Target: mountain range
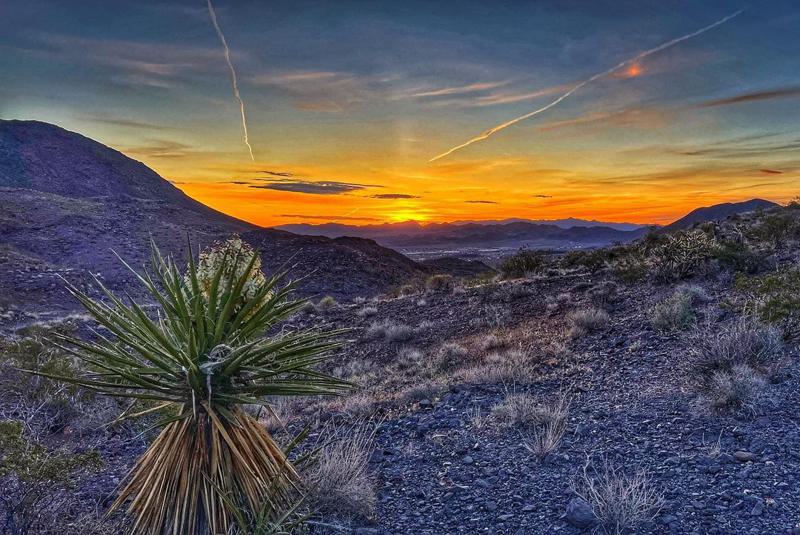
67,202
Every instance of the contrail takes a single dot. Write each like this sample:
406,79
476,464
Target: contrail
579,85
234,82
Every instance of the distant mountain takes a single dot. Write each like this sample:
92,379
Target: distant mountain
66,201
411,235
718,212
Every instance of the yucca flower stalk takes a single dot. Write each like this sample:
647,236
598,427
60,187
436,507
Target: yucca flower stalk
209,348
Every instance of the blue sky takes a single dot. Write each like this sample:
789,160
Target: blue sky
368,92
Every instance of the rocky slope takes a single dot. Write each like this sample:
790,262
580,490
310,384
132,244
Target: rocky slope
66,202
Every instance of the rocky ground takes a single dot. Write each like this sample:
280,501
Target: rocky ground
433,366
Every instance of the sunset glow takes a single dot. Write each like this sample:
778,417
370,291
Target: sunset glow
344,119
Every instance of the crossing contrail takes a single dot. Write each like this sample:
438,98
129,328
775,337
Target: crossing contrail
579,85
234,82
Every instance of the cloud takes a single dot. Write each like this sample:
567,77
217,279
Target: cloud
540,196
771,171
160,148
330,218
481,202
278,173
128,123
329,187
458,90
784,92
237,182
323,91
394,196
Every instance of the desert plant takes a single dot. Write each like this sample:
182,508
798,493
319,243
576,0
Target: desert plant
522,264
32,478
339,478
587,320
674,313
683,254
621,502
440,283
326,303
730,368
775,298
390,331
210,348
451,356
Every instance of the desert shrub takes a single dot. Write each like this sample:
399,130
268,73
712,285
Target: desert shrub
602,293
409,358
326,304
738,257
43,404
621,502
778,228
630,268
491,341
366,312
594,260
340,481
512,367
674,313
544,436
390,331
205,353
451,356
775,298
730,366
34,480
440,283
522,264
682,255
587,320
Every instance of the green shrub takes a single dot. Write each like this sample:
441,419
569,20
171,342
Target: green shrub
674,313
630,268
523,263
326,304
593,260
738,257
33,480
775,297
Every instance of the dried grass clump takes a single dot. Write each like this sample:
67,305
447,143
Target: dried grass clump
621,502
509,367
587,320
440,283
366,312
674,313
340,482
541,424
390,331
452,356
731,368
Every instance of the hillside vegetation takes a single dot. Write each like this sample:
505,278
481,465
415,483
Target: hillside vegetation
651,387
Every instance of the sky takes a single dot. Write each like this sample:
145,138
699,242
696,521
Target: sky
348,102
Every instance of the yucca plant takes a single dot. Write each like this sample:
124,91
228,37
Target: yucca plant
210,347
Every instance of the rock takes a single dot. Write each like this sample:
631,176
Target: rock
744,456
579,513
466,459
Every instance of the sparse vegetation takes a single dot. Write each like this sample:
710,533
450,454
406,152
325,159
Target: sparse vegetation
621,502
34,479
390,332
775,298
523,263
587,320
206,355
340,480
541,425
674,313
440,283
326,304
732,367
